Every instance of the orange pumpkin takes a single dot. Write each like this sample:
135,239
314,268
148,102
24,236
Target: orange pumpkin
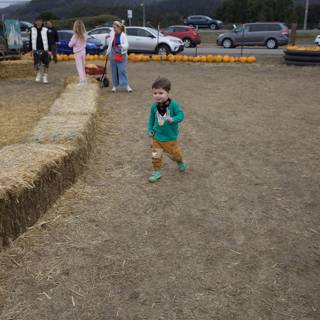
226,59
251,59
219,58
163,57
185,59
171,58
243,59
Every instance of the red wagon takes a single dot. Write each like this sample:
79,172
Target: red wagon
97,70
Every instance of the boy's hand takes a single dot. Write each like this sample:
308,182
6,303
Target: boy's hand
169,119
150,135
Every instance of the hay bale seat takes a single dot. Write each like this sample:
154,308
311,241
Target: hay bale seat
35,173
16,69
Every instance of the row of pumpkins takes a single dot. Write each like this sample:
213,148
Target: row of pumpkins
170,58
89,57
184,58
296,48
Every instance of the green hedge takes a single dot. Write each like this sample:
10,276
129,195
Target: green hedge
90,22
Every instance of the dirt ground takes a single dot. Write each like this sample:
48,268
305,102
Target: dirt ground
23,103
237,236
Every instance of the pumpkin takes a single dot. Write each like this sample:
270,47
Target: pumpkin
145,58
219,58
163,57
190,58
232,59
251,59
171,58
91,66
210,58
226,59
185,59
179,58
243,59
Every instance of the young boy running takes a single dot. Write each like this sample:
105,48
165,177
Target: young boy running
163,128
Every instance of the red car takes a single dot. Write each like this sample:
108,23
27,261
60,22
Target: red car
189,35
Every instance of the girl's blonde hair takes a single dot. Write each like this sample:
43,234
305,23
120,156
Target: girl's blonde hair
79,29
120,26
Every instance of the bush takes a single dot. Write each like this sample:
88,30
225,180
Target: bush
90,22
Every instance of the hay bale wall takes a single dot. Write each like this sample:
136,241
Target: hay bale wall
16,69
34,174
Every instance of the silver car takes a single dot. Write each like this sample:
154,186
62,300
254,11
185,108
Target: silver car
101,33
148,40
269,34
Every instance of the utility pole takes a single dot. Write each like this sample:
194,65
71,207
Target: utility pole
143,13
305,24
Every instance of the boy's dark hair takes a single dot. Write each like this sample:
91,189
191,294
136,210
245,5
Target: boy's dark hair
38,18
162,83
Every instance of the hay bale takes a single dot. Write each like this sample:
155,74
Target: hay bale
76,131
32,176
74,100
74,80
16,69
71,120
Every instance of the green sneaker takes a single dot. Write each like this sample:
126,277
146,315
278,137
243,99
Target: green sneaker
156,175
182,166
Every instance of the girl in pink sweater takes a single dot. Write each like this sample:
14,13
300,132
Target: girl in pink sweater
78,44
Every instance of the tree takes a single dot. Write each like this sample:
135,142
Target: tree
255,10
46,16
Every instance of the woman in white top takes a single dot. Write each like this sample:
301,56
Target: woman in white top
117,52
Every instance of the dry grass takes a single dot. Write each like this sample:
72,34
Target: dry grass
23,103
235,237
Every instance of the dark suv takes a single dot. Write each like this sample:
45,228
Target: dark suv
269,34
203,22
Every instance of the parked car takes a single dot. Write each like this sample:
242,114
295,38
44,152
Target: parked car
101,33
148,40
269,34
317,40
203,22
189,35
93,46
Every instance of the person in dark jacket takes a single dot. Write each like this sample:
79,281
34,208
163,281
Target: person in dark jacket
53,38
40,48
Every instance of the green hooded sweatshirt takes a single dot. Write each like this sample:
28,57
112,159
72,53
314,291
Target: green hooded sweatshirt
168,131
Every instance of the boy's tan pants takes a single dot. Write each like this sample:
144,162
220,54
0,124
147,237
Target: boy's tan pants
171,148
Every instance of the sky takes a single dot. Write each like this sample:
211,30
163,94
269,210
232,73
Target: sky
6,3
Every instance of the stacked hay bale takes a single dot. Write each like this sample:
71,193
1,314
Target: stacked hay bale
16,69
35,173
